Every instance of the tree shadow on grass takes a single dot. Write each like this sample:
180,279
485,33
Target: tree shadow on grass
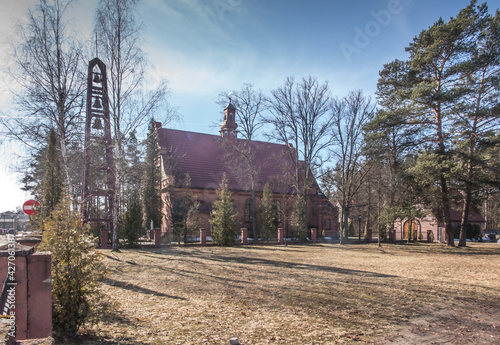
191,274
113,258
292,265
404,248
240,259
473,249
273,247
132,287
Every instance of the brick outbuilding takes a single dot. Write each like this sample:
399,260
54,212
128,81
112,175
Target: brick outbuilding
429,223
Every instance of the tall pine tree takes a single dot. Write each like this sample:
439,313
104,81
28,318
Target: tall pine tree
130,226
132,167
427,89
52,185
151,180
131,221
477,114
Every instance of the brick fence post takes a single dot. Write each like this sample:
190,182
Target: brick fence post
392,235
244,236
40,295
157,238
104,239
33,298
203,237
369,235
314,235
281,236
151,234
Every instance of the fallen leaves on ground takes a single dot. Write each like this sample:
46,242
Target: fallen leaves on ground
303,294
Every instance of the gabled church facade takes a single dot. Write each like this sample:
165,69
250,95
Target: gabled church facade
206,158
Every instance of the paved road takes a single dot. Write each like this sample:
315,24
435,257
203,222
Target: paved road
3,239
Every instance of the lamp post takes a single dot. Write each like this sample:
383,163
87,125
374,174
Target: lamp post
359,229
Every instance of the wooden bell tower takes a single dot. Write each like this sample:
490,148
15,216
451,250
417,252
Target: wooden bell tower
98,185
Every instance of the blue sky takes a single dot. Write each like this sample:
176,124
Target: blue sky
204,47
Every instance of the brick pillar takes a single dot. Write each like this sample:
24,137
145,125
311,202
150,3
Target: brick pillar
244,236
369,235
33,298
281,236
203,236
21,310
442,235
429,232
157,237
40,297
151,234
104,239
314,235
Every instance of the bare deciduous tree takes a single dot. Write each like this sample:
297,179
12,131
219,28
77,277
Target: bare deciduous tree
48,82
119,37
300,115
350,114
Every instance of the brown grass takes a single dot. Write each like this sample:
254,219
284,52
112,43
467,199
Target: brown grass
303,294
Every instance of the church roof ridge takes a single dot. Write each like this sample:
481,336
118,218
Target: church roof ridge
203,157
216,136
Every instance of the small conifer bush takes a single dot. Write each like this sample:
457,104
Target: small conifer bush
225,217
298,221
268,212
77,268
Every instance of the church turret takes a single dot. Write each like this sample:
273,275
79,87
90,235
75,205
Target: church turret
229,125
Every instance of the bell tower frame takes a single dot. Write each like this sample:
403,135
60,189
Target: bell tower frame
98,183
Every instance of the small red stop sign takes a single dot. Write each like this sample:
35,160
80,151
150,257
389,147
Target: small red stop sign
30,207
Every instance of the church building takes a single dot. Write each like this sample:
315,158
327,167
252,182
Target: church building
195,163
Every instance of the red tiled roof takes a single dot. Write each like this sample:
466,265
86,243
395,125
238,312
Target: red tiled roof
456,216
204,158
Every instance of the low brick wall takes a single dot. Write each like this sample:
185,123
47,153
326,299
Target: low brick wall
33,299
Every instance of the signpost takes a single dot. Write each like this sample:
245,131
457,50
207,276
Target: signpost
30,207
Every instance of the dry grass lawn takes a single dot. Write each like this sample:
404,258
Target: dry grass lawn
303,294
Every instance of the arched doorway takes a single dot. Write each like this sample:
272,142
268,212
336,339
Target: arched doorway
410,227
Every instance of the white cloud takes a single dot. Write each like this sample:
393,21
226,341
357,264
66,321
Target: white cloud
204,72
11,194
161,6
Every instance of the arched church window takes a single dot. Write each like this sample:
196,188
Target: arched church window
248,210
278,210
328,224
